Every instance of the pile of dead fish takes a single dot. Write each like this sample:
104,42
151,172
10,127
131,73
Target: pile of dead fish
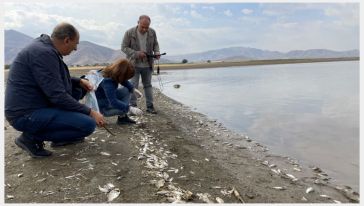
111,191
155,157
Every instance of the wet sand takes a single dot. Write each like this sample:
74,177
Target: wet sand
175,156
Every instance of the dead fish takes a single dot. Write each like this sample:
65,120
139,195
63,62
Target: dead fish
237,195
293,178
41,180
325,196
303,199
114,163
10,197
219,200
266,163
277,171
336,201
113,194
297,169
160,183
226,192
204,197
279,188
163,192
107,187
309,190
20,175
316,169
105,153
216,187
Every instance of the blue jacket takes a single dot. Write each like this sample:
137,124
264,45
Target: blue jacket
38,78
106,94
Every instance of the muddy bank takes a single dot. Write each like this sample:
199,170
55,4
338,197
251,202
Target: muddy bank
175,156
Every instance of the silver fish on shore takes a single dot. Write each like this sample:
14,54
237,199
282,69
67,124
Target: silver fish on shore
309,190
105,153
219,200
204,197
113,194
325,196
279,188
237,195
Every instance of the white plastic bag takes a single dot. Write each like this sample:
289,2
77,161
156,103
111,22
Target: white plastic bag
95,78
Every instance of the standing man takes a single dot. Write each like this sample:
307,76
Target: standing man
138,43
41,99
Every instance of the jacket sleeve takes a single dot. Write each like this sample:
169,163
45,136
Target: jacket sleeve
76,81
110,89
128,85
47,75
156,44
126,47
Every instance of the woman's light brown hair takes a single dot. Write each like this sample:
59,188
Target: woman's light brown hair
120,71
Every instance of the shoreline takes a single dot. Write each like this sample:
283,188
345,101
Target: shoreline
178,151
233,63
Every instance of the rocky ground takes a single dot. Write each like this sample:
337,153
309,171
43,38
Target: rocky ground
175,156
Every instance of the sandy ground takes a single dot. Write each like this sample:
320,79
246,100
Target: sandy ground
175,156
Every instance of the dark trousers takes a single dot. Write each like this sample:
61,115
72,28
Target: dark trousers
52,124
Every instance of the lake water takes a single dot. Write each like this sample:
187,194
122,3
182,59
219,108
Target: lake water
306,111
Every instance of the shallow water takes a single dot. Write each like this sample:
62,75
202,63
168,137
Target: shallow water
306,111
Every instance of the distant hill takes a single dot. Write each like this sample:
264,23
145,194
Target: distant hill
89,53
14,42
246,53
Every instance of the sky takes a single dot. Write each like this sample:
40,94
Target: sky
196,26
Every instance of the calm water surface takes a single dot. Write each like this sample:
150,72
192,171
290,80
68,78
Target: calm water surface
306,111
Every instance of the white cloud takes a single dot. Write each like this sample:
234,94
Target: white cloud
228,13
211,8
195,14
180,30
247,11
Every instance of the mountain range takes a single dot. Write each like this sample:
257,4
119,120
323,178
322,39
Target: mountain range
89,53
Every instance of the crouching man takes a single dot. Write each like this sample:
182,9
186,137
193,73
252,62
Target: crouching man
41,99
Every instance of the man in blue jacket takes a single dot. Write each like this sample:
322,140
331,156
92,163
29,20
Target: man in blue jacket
41,99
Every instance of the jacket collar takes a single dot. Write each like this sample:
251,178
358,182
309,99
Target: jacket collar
44,38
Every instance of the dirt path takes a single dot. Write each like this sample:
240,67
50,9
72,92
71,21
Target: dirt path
177,155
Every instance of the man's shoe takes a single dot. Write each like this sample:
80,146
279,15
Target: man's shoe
151,110
125,120
64,143
34,149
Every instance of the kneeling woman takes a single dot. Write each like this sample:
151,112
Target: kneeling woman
113,93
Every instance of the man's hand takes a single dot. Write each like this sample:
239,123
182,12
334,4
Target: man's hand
141,54
84,83
98,117
157,55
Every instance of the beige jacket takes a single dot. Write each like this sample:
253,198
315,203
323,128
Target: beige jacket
130,44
